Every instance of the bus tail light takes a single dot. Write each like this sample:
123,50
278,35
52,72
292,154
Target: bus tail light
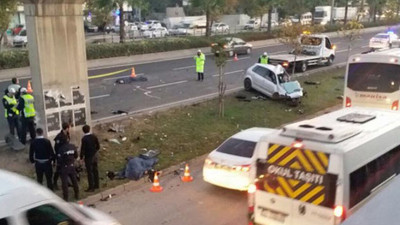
339,212
244,168
251,190
297,143
348,102
395,105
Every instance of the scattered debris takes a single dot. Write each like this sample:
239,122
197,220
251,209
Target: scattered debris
124,138
177,172
340,97
113,140
259,97
300,111
312,82
91,206
107,197
121,112
240,97
288,110
93,112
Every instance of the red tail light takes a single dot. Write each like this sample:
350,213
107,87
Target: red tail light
348,102
339,212
395,105
244,168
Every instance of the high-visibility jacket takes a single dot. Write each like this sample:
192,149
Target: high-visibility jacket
263,60
200,61
12,102
29,108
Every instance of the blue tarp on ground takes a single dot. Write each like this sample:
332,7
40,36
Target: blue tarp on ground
137,166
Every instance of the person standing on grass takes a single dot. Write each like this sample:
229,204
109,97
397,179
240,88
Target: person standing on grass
68,154
42,154
61,139
200,61
90,147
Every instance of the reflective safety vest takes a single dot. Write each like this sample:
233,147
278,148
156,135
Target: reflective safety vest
11,101
200,61
264,60
29,108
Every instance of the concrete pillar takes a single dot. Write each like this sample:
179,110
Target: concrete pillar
57,54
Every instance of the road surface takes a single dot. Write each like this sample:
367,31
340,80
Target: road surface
174,81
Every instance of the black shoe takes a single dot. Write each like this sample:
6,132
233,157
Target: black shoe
55,188
89,190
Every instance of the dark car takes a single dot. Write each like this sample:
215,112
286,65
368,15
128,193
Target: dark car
234,46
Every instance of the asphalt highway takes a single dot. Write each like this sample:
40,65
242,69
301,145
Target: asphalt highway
172,82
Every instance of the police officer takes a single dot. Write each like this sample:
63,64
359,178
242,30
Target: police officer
200,61
28,113
61,139
263,59
69,154
42,154
11,111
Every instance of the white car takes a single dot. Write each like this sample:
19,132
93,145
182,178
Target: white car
232,165
25,202
220,28
383,40
21,40
272,81
252,24
156,32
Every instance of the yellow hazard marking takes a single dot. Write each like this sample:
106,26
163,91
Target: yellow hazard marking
268,188
272,149
304,161
319,200
279,154
323,158
296,166
108,74
280,191
289,190
293,182
315,162
312,193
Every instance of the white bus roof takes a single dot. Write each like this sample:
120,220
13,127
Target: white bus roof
376,56
341,130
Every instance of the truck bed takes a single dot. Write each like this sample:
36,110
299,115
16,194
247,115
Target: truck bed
290,58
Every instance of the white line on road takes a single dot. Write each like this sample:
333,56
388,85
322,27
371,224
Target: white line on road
343,50
168,84
100,96
115,78
237,71
182,68
365,46
248,57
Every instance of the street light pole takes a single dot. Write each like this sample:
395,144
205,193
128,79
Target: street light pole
333,5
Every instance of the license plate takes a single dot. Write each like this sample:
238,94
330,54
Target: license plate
274,215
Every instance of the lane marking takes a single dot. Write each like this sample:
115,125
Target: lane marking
343,50
147,93
108,74
115,78
100,96
167,84
365,46
182,68
273,53
237,71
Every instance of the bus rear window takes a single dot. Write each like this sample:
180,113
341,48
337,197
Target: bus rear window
373,77
299,174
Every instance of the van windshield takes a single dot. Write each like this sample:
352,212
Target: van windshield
299,174
319,14
374,77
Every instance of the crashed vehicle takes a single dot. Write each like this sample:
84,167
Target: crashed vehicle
274,82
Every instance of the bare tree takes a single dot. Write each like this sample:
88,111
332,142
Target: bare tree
220,61
351,31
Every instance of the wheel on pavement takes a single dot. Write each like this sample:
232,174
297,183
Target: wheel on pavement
275,96
247,84
330,60
302,67
248,51
294,102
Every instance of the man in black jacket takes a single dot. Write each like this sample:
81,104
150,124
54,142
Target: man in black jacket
42,154
61,139
68,154
89,153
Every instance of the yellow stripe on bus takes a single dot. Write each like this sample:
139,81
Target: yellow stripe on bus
319,200
280,191
279,154
323,158
303,188
296,165
272,149
286,187
293,182
312,193
268,188
303,160
315,162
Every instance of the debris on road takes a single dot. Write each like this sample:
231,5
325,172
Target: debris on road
93,112
312,82
113,140
124,139
106,198
259,97
120,112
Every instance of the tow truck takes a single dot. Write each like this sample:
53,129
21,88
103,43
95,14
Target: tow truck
315,50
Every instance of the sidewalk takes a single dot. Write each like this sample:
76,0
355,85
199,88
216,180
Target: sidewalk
157,57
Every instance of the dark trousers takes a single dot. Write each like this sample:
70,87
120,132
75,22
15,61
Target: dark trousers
14,124
92,172
56,174
69,172
27,124
46,169
200,76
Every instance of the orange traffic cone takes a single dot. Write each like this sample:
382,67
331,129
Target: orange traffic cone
80,203
29,87
133,74
235,58
156,184
186,176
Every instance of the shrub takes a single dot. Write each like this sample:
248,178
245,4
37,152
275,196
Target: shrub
14,59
